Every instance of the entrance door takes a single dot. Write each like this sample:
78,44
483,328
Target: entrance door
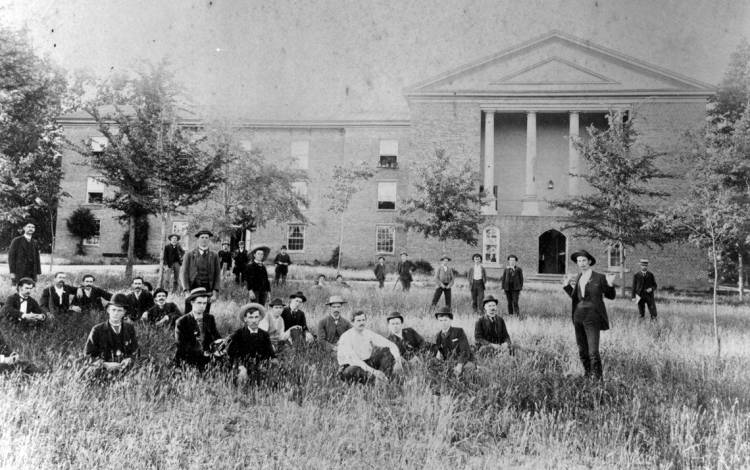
552,252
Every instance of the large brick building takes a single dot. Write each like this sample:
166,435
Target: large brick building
512,114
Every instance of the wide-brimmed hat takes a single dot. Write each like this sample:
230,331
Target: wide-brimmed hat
445,257
260,246
574,257
404,253
476,255
298,295
275,302
119,300
490,298
174,235
335,299
204,232
393,315
198,292
444,312
251,306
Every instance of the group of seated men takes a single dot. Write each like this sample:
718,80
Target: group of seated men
362,354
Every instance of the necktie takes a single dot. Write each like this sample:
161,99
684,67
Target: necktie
116,329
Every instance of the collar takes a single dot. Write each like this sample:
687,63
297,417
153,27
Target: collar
27,237
252,331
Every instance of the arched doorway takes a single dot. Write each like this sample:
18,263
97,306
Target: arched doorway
552,252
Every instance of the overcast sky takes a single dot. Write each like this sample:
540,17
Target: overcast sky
288,59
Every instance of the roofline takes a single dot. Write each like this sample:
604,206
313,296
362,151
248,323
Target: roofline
268,124
644,94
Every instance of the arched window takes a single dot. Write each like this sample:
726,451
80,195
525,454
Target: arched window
490,245
552,252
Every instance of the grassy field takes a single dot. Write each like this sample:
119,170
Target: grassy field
665,402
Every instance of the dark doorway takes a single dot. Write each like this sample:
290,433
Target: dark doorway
552,252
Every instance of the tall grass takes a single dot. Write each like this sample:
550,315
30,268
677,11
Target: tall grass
665,402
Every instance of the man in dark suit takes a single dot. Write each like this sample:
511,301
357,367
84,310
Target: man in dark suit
23,256
173,254
90,298
240,263
112,345
256,277
59,298
282,262
162,313
333,325
200,268
644,286
225,259
250,347
139,300
452,345
295,320
21,308
512,282
490,332
587,291
379,271
409,342
476,277
405,268
195,332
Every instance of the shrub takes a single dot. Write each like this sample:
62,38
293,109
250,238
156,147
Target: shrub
423,267
82,225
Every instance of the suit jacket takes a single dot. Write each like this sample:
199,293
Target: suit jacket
103,343
454,345
512,279
23,258
379,271
170,310
12,307
444,277
240,261
487,331
591,306
173,254
329,331
294,318
404,269
136,306
409,344
641,282
189,269
188,336
225,257
256,277
246,347
470,275
92,302
50,301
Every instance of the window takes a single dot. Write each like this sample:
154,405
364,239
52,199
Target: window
490,245
296,238
98,144
94,239
614,255
247,145
300,189
301,154
387,195
385,236
388,154
94,191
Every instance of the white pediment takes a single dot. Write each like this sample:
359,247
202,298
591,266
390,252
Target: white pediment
557,63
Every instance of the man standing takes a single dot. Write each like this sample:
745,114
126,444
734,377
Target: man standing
225,259
90,298
364,355
240,263
405,268
408,341
644,285
201,269
512,282
295,322
452,345
139,300
490,332
195,332
587,291
23,256
380,271
282,262
173,254
256,276
333,325
21,308
444,280
59,297
112,345
162,313
476,277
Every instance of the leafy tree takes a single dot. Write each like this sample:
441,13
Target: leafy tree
347,181
30,139
82,225
619,172
730,101
142,228
444,202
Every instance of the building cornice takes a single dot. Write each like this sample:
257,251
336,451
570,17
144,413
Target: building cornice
267,124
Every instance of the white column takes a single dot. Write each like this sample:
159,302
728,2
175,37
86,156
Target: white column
489,162
530,203
573,155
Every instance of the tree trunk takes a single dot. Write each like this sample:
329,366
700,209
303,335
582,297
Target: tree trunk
163,220
740,271
622,270
131,248
716,288
52,234
341,243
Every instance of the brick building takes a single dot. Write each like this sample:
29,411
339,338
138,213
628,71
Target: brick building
511,114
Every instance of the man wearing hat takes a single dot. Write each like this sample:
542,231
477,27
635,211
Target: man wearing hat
173,254
196,332
225,259
490,332
295,322
444,281
364,355
21,308
644,285
476,277
112,345
273,324
201,269
587,291
451,343
240,263
282,262
23,256
333,325
408,341
379,271
405,268
256,277
250,346
512,282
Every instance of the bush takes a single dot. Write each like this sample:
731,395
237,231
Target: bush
334,259
82,225
423,267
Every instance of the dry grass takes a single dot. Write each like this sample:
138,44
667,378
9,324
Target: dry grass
666,401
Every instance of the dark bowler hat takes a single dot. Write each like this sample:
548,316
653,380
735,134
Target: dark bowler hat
490,298
251,307
283,247
444,312
275,302
298,295
393,315
173,235
512,256
160,290
335,299
574,257
446,257
476,255
202,232
119,300
198,292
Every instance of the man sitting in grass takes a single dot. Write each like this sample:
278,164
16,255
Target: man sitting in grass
333,325
59,298
21,308
452,345
195,332
490,332
139,299
162,313
250,347
364,355
90,298
112,345
409,342
273,324
295,322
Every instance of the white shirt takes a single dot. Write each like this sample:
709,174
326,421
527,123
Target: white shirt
477,272
23,308
585,278
354,348
27,237
60,292
274,327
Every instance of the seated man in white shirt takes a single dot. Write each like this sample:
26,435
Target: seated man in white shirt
273,324
364,355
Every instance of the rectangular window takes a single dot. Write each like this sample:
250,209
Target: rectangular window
301,154
385,237
387,195
94,191
614,255
98,144
295,240
388,154
94,239
300,189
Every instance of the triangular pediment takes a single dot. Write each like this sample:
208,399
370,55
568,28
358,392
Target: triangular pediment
558,63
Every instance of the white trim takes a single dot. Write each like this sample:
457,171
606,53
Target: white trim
304,237
485,244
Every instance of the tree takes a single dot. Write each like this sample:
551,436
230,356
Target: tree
731,98
620,171
30,139
444,202
82,225
347,181
154,163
